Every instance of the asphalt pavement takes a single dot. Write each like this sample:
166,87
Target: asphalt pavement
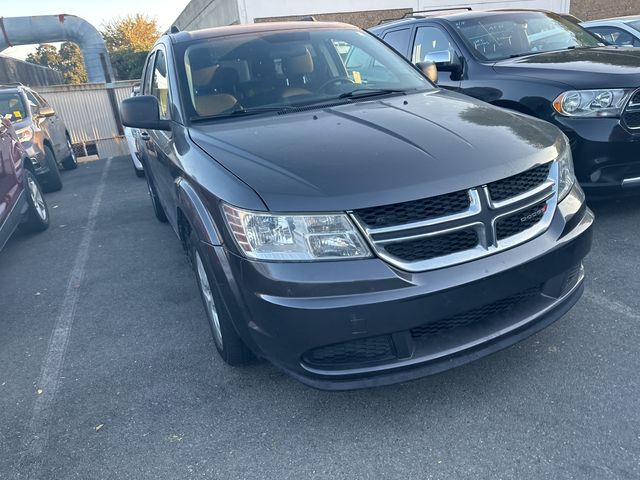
108,371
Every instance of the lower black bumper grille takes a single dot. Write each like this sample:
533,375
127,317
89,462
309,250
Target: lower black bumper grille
476,315
359,352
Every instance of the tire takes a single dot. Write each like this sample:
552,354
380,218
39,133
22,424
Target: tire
155,201
139,173
37,219
51,182
227,341
71,162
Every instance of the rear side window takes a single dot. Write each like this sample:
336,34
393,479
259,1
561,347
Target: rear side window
160,84
398,39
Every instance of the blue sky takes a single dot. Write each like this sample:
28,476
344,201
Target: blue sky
95,11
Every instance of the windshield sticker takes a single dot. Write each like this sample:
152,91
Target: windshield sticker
17,114
356,77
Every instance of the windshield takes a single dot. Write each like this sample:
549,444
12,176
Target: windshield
276,70
496,37
12,107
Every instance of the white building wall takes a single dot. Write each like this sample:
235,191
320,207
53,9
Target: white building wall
251,9
212,13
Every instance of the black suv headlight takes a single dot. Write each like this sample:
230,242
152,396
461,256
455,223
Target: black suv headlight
566,173
299,237
592,103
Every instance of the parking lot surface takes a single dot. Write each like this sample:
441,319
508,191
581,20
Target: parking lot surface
108,370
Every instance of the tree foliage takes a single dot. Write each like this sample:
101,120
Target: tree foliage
128,40
68,60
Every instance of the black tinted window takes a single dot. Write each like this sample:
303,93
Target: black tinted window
398,39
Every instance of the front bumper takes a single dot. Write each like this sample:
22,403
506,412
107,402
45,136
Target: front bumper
353,324
36,156
606,154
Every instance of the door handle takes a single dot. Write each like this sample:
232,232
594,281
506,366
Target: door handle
145,136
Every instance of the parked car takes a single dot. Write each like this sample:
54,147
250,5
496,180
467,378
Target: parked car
42,132
132,134
543,65
355,228
621,31
22,204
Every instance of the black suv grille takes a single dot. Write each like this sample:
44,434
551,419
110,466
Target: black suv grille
476,315
415,211
519,222
353,353
517,184
427,248
632,119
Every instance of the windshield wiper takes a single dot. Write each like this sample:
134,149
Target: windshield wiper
370,92
241,112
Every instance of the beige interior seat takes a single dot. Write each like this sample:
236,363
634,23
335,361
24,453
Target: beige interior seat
295,68
216,104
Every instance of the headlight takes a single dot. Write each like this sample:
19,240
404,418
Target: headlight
267,236
24,134
566,174
592,103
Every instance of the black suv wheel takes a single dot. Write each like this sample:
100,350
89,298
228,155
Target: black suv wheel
52,182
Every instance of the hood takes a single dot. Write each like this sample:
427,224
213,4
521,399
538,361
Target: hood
376,152
601,67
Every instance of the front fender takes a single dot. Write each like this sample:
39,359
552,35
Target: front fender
196,212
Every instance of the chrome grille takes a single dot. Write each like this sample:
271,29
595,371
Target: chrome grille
631,114
497,216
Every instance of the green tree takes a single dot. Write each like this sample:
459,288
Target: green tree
68,61
72,63
128,40
45,55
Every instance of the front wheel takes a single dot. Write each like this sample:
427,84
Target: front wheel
228,343
38,213
71,162
155,201
52,182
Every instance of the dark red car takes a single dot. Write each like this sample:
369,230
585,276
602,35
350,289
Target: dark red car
21,201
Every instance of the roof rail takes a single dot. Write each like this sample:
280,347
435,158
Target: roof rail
11,84
434,10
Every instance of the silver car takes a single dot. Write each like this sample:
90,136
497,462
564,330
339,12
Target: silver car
42,133
621,31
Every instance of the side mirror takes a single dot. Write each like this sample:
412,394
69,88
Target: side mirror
444,60
143,111
46,111
429,70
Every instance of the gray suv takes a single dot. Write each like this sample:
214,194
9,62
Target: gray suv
41,131
355,228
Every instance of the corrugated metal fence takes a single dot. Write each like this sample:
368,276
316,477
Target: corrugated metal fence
88,113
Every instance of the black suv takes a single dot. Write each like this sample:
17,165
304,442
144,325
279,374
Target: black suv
544,65
41,131
354,227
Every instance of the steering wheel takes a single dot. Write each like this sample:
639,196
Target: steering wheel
337,81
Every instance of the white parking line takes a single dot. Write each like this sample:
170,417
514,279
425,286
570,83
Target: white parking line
613,305
38,432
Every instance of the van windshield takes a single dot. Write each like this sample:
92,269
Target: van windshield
266,71
12,107
501,36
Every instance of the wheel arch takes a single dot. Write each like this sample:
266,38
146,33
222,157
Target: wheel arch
192,214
